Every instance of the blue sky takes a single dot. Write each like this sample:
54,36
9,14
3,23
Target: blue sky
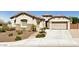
5,15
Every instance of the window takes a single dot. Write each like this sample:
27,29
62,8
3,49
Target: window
24,22
15,21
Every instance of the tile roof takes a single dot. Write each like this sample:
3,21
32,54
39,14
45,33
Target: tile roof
59,17
47,15
34,17
37,17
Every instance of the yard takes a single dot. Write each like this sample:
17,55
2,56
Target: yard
63,39
5,36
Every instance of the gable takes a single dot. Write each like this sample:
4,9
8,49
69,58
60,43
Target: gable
21,14
59,17
29,15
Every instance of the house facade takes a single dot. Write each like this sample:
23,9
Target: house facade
25,20
57,22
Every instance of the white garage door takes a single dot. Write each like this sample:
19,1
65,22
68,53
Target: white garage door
59,26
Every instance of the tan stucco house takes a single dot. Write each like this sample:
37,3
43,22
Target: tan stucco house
57,22
25,20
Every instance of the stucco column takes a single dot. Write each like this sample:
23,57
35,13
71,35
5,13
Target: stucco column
44,24
69,25
37,28
50,25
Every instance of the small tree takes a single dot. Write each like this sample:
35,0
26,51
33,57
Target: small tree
33,27
5,27
18,38
74,20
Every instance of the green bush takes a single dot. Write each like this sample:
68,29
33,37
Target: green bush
42,31
40,35
19,32
5,27
2,30
10,29
11,34
18,38
45,28
33,27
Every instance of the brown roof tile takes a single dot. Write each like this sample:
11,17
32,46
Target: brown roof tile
28,15
47,15
59,17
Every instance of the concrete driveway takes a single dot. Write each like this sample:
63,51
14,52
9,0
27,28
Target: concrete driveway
60,38
53,38
58,34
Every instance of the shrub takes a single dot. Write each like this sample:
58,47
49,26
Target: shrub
19,32
11,34
42,32
45,28
2,30
40,35
10,29
33,27
5,27
18,38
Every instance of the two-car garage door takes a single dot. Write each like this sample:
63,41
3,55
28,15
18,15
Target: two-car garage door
59,25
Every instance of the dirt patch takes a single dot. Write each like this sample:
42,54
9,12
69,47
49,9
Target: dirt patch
4,37
74,33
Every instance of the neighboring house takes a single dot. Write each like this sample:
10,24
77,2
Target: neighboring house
24,20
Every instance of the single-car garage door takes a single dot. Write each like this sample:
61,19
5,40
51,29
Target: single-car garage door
59,25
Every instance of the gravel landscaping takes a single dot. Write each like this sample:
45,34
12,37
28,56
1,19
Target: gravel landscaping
10,36
54,38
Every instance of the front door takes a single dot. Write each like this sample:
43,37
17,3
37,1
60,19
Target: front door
46,24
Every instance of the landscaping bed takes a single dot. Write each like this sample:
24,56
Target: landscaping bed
41,34
10,36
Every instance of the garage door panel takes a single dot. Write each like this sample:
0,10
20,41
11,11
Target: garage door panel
59,26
